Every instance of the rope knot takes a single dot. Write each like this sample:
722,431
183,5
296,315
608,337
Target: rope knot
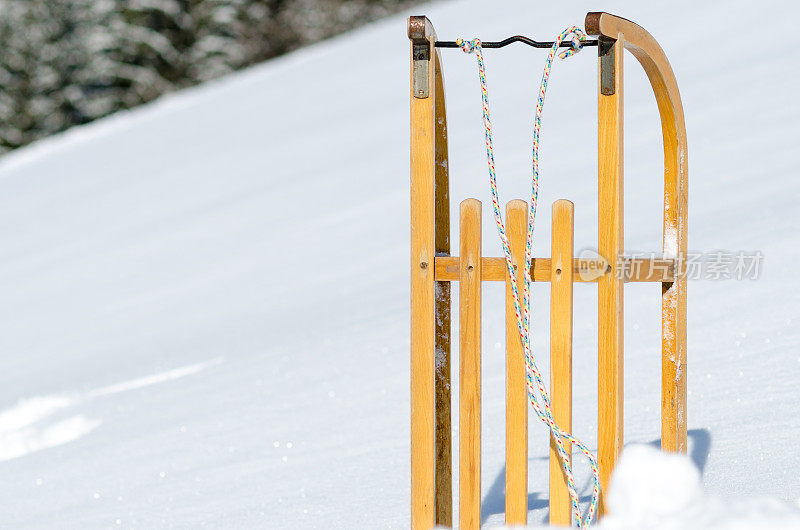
578,37
468,46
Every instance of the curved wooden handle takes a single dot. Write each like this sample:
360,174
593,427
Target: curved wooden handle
662,79
654,61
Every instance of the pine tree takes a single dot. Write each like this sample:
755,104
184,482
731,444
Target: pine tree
68,62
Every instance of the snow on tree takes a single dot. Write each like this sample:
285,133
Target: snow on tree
69,62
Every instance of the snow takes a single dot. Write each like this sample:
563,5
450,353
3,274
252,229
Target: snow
257,227
651,489
650,486
662,491
21,430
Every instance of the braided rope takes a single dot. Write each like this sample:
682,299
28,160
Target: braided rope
539,401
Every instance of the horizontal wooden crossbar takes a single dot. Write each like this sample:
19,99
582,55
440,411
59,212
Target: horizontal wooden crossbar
494,269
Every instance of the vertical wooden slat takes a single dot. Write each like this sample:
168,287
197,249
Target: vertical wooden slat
673,341
561,278
469,434
444,483
610,246
516,390
673,294
423,330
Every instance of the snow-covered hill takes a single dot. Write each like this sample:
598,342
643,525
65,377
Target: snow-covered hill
205,301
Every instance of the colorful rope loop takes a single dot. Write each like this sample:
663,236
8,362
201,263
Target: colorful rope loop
578,37
468,46
537,392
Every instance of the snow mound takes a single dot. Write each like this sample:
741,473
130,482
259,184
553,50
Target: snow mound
649,485
654,490
657,490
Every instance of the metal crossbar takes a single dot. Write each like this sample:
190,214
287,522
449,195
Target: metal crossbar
510,40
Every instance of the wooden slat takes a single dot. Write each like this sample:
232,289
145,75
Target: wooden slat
444,482
610,245
676,186
494,269
469,433
516,390
561,352
423,329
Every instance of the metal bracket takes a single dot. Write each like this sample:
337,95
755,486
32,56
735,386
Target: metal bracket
422,36
607,55
421,66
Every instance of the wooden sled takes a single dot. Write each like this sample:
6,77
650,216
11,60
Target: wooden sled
433,268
